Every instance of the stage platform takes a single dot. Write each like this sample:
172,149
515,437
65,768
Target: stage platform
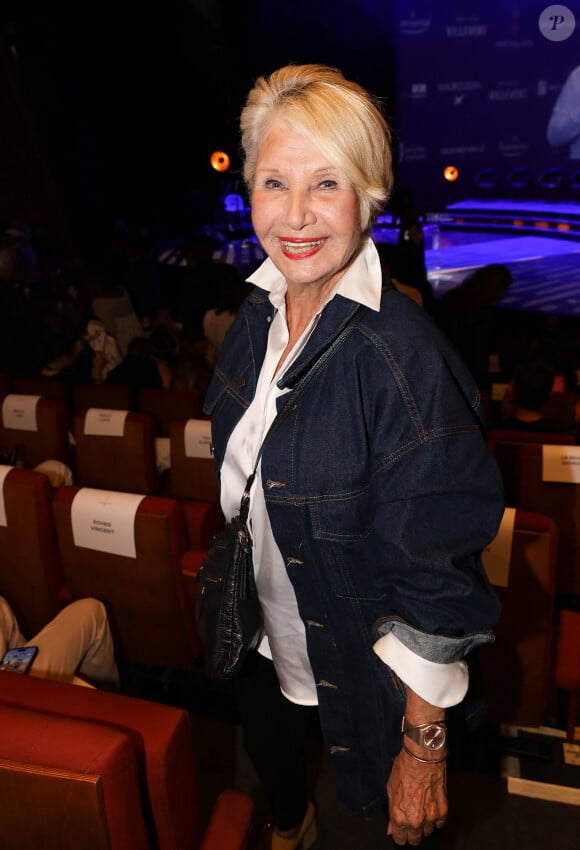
538,241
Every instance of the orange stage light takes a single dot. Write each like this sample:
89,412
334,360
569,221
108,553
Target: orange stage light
220,161
450,173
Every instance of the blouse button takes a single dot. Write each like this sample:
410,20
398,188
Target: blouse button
241,382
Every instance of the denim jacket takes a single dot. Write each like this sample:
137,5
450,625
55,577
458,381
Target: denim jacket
381,494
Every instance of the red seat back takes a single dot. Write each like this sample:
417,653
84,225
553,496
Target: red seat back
517,667
49,441
31,576
168,405
151,615
127,463
559,501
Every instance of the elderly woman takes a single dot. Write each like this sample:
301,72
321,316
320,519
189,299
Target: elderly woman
375,496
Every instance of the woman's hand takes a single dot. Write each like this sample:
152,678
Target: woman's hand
417,799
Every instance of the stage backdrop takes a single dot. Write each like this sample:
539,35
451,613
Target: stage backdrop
494,83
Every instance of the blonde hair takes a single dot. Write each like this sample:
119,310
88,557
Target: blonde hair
338,116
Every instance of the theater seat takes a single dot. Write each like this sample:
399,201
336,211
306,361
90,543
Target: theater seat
561,502
168,405
161,739
193,482
505,444
150,613
110,396
125,462
45,387
44,436
31,576
517,666
567,670
67,783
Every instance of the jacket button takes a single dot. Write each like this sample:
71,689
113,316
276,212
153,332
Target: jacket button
241,382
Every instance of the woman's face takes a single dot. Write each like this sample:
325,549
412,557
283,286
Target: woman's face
304,210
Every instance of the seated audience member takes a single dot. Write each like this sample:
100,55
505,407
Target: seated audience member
388,255
111,303
139,369
191,368
77,641
527,394
217,320
164,348
106,355
467,316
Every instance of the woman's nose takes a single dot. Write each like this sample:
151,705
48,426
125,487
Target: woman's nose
298,211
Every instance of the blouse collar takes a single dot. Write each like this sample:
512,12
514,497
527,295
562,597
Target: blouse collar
362,282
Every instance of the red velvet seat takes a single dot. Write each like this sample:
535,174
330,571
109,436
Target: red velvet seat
567,670
49,441
148,604
168,405
125,463
505,444
517,667
45,387
67,783
557,500
193,482
110,396
161,737
31,576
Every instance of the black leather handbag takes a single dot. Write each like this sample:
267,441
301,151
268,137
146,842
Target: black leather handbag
228,610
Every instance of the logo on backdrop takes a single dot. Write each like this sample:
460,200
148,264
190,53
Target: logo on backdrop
557,23
414,24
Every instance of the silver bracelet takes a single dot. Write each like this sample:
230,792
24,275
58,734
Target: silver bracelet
423,761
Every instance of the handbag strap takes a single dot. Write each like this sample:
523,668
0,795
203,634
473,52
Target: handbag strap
343,332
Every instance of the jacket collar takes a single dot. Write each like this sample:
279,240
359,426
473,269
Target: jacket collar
361,283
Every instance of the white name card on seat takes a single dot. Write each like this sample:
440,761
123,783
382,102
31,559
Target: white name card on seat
101,422
105,520
561,463
496,557
197,436
19,412
4,470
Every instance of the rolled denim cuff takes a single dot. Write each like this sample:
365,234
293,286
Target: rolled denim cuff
442,685
440,649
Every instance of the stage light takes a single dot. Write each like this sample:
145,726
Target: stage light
450,173
220,161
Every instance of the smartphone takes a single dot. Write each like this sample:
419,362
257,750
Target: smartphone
19,659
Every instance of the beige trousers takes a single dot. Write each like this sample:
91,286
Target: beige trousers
77,640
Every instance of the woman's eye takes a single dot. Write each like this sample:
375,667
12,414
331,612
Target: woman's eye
271,183
328,184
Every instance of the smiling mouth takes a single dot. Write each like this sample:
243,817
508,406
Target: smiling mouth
300,248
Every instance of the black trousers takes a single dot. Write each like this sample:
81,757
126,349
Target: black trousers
274,734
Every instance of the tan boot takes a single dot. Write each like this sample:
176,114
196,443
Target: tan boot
304,838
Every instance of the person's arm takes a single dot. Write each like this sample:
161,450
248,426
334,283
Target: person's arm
437,505
417,786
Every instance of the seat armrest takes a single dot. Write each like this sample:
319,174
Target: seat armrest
230,823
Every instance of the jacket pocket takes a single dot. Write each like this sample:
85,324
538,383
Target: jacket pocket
342,517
